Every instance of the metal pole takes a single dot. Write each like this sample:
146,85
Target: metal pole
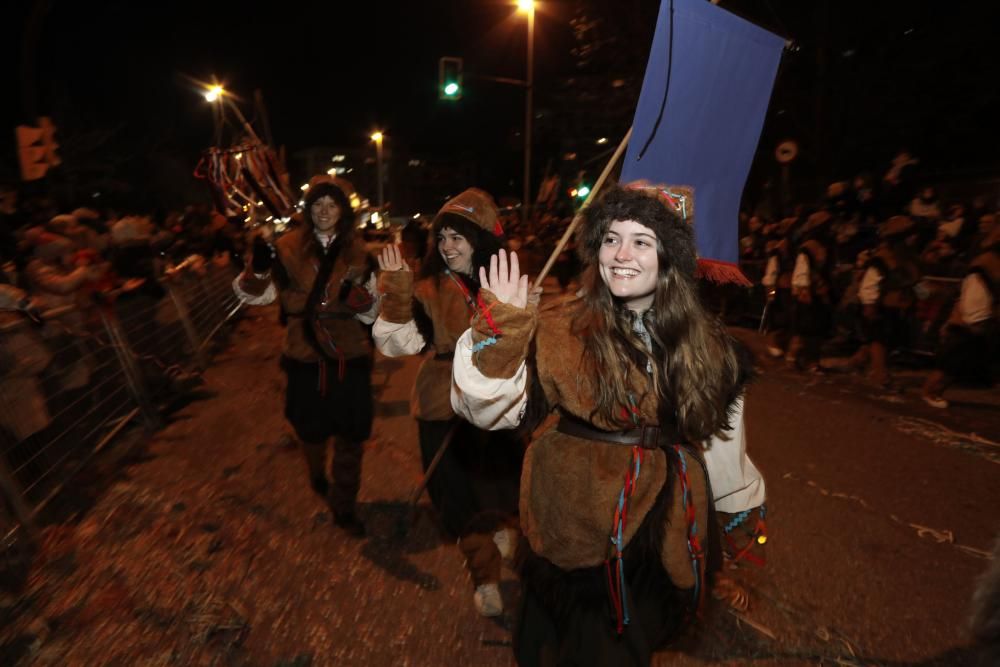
579,214
529,90
11,492
184,315
378,168
133,377
243,121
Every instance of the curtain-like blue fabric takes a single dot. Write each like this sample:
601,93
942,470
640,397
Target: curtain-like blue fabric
721,70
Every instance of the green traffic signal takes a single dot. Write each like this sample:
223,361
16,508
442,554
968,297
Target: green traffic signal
582,191
450,78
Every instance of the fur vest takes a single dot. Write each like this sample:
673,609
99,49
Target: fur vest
300,256
570,485
444,304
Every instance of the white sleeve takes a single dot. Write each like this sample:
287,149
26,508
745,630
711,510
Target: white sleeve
800,275
870,289
369,315
771,272
975,304
397,340
489,403
736,483
269,295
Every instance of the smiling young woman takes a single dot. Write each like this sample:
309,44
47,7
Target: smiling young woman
475,485
615,499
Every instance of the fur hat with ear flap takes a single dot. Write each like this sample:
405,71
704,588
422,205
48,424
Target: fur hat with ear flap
658,207
476,206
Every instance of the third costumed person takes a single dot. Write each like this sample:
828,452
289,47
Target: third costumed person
475,484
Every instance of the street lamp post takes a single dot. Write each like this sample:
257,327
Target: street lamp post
217,94
377,138
528,7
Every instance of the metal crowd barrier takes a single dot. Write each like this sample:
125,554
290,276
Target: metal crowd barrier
71,384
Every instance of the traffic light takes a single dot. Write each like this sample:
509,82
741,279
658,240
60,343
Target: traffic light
450,78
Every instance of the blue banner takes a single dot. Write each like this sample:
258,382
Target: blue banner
716,72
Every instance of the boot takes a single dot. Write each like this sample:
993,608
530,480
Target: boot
349,522
315,455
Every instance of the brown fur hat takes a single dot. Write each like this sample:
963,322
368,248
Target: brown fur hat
476,206
649,207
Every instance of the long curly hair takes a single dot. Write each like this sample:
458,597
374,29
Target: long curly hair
695,368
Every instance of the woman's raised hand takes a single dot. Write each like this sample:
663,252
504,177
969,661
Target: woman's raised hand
391,259
505,281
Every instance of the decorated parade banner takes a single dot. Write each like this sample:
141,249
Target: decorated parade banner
700,113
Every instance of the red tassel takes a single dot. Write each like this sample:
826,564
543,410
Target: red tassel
721,272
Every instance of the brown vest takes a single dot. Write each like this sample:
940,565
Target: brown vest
300,255
445,305
570,485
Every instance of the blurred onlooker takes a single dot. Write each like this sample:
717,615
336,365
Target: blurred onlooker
865,206
777,282
133,257
970,337
897,184
52,273
11,219
413,239
811,292
752,244
925,205
23,358
886,294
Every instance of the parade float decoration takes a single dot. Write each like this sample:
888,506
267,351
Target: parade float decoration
247,177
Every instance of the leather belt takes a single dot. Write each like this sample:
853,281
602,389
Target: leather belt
647,436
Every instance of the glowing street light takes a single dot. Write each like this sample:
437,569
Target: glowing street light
528,7
377,138
214,93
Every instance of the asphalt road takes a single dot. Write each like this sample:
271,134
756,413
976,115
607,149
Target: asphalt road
204,545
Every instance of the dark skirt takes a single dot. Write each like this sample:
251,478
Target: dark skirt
476,483
318,410
969,355
811,319
566,617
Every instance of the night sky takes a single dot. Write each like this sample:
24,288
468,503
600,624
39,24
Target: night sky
329,72
891,74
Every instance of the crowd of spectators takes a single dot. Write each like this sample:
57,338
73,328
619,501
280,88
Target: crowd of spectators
881,268
63,272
